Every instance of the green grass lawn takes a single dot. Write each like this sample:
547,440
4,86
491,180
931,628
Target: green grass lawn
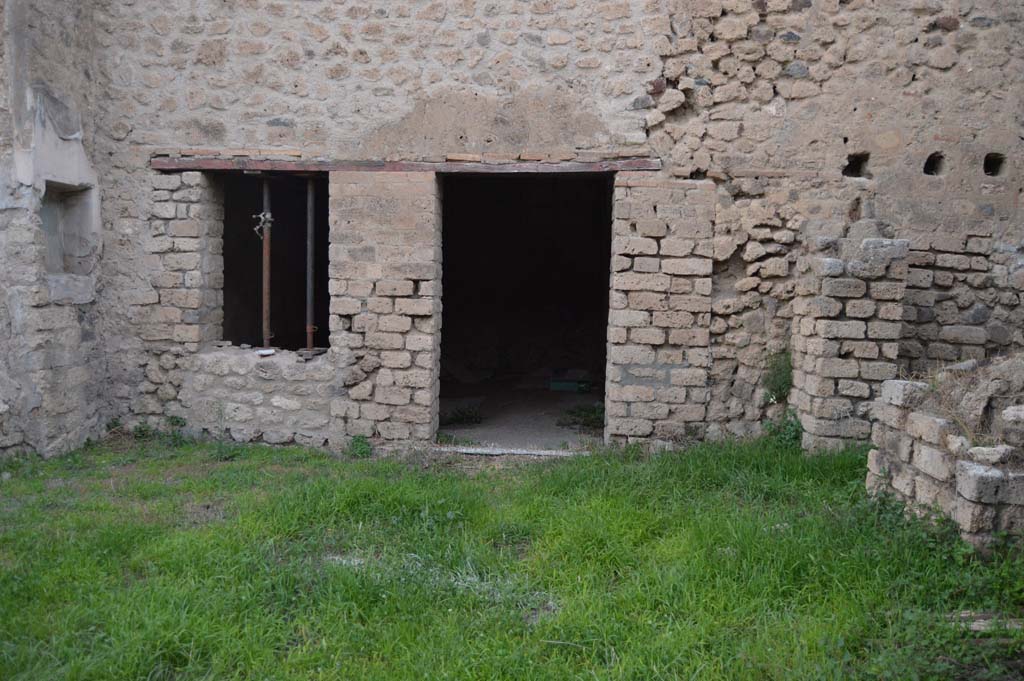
152,561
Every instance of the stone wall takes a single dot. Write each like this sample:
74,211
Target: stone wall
962,300
232,394
755,248
380,376
659,337
386,302
177,309
846,331
380,79
930,463
791,120
52,364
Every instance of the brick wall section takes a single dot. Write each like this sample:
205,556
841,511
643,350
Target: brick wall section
658,331
380,376
963,298
186,233
385,285
922,459
846,331
182,306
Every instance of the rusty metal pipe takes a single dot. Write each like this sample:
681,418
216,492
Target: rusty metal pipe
310,229
266,263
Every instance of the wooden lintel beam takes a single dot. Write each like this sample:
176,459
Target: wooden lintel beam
221,164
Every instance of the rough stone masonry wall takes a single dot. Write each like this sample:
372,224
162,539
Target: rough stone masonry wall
925,461
385,277
52,363
963,298
766,99
846,330
177,309
773,98
379,79
375,80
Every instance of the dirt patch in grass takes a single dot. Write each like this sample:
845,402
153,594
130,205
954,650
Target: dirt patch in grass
463,463
536,614
200,513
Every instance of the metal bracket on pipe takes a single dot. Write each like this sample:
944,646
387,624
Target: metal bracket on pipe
265,220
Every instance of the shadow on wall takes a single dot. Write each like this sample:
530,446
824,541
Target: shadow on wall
547,119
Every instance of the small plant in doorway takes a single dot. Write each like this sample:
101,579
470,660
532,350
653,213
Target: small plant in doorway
778,377
587,417
449,440
786,430
462,416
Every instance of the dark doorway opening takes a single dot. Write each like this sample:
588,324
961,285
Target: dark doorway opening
526,272
243,261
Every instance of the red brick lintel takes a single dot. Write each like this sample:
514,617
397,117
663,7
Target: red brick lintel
214,164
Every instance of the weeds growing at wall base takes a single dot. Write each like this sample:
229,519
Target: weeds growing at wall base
144,560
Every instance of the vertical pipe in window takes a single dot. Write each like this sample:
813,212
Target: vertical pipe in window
310,215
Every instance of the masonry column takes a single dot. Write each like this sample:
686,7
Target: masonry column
846,331
385,285
658,329
182,306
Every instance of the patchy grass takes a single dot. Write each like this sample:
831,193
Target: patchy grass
731,561
359,448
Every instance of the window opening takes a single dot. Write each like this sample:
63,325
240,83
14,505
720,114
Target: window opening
276,262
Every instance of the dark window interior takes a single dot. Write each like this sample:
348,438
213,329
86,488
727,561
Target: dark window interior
243,262
526,268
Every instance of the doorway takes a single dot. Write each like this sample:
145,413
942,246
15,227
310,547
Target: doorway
526,262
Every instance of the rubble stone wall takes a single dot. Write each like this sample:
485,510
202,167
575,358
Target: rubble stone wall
925,461
231,393
52,361
962,300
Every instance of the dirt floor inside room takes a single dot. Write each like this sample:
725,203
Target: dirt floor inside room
526,268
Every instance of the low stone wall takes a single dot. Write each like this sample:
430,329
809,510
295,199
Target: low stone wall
232,393
925,461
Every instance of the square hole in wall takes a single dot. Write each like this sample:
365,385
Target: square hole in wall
857,165
68,220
